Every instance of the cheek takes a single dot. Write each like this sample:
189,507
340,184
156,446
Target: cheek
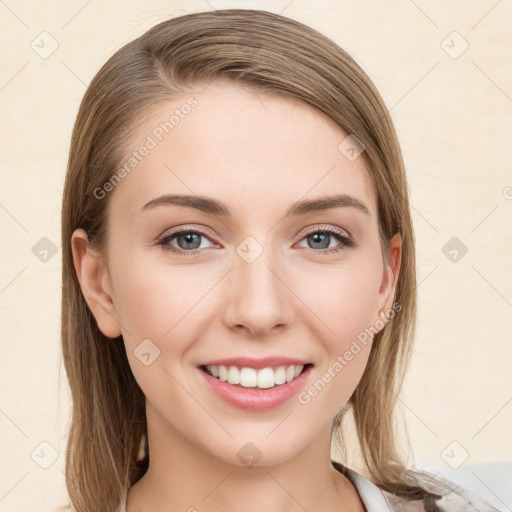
170,305
162,309
346,346
335,382
344,301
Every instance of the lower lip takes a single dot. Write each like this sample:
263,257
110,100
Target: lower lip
256,399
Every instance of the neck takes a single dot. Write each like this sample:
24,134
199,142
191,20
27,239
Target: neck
181,476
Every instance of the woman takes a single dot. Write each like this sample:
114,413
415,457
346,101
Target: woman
239,273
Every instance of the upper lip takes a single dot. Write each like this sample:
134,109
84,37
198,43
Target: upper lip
251,362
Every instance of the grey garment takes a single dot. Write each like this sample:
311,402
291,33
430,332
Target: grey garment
446,495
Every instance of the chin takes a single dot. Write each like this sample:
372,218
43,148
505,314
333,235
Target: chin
260,450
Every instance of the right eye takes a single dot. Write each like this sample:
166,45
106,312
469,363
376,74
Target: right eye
186,239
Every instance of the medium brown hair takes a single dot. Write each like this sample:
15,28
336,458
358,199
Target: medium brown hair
276,55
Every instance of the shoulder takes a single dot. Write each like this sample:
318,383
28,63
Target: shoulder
445,496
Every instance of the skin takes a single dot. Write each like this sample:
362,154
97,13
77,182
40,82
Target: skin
258,154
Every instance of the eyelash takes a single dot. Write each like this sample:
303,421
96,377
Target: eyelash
338,235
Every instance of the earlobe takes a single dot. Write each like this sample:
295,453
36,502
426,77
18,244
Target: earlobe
93,277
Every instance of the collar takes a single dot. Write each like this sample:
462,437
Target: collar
370,494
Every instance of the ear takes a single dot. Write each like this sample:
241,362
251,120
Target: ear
390,275
92,273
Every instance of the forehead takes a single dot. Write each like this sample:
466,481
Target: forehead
249,149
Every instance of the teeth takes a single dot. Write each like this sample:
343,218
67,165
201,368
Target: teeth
223,373
233,375
266,378
250,378
280,375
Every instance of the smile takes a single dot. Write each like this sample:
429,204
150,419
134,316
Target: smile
256,384
247,377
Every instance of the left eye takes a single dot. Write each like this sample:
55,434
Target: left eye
322,239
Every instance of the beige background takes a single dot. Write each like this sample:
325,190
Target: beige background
453,114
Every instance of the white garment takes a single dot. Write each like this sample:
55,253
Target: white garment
449,497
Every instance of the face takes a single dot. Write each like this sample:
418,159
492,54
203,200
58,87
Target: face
245,277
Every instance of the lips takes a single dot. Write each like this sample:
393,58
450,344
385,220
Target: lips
256,384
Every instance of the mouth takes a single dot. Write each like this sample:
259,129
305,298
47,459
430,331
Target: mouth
256,378
256,384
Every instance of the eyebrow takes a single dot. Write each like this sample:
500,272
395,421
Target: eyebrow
215,207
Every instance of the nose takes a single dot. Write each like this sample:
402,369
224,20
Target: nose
259,300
